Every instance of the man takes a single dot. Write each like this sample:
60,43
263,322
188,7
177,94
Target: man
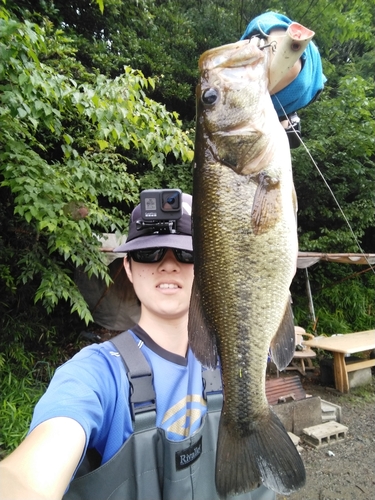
88,405
301,85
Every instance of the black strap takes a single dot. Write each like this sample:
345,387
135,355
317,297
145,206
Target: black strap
140,378
142,397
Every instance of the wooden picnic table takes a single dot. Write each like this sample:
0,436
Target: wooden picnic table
341,345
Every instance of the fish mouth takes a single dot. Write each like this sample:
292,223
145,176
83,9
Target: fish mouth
242,53
257,46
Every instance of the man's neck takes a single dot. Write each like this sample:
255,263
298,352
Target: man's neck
169,334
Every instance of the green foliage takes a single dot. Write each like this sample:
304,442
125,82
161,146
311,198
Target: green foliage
18,397
340,128
180,176
65,149
31,347
101,5
362,394
343,297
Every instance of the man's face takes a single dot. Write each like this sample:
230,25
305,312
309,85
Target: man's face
164,287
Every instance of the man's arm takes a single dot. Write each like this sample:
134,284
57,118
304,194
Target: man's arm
43,464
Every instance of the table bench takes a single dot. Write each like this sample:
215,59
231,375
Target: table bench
341,345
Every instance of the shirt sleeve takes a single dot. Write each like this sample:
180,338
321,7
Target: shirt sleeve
85,389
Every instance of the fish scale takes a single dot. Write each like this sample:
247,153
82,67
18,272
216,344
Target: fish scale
238,307
245,251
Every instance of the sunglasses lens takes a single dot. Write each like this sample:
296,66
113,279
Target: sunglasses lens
148,255
184,256
152,255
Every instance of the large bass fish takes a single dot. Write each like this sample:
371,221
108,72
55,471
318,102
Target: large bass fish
245,247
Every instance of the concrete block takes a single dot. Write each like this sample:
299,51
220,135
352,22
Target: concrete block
360,377
356,378
324,434
296,440
297,415
285,412
330,411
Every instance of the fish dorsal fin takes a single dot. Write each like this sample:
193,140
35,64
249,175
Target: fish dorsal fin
202,338
266,206
283,343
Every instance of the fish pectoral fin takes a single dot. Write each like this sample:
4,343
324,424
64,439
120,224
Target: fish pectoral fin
263,453
266,207
284,342
202,338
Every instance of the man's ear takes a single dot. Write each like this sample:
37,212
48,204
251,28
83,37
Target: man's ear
128,269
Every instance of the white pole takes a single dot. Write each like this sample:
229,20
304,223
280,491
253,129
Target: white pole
309,295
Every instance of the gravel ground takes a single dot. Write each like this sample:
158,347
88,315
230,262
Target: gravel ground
344,470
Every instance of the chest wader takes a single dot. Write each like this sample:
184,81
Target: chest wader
149,466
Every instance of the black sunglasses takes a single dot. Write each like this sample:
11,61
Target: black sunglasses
152,255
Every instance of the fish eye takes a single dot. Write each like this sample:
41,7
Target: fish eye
209,96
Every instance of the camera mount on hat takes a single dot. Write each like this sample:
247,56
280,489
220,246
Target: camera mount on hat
160,210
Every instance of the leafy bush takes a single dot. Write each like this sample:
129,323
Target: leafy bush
18,396
343,297
65,147
32,346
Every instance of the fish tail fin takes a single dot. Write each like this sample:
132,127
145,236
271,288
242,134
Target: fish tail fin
264,454
236,467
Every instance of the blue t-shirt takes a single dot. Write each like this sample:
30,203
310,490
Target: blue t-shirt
310,80
93,389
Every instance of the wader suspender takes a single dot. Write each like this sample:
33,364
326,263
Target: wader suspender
140,378
142,394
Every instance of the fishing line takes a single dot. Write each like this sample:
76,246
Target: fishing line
329,188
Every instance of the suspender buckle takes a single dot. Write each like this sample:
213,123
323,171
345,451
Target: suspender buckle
211,381
142,396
